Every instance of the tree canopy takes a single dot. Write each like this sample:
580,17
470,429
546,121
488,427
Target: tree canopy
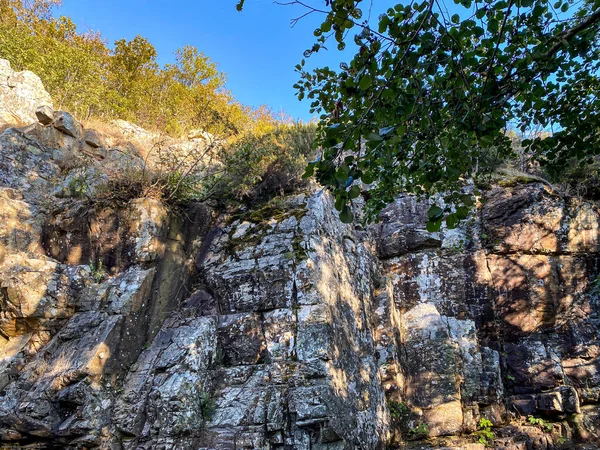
426,103
90,79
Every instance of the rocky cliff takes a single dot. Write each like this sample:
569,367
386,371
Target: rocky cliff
136,326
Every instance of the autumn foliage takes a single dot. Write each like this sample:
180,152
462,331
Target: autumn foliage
90,79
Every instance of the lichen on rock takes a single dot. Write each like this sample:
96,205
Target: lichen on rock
136,325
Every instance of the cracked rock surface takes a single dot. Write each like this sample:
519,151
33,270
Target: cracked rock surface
135,326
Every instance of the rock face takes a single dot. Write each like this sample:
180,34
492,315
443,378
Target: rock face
133,326
501,319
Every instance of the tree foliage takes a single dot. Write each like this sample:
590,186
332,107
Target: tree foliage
433,89
88,78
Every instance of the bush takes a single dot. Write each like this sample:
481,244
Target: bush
252,170
174,188
541,423
398,411
582,181
258,168
171,171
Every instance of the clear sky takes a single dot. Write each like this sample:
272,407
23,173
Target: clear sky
256,48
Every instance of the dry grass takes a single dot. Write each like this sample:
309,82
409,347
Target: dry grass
17,123
116,136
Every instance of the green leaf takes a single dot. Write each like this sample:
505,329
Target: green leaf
368,177
467,200
346,215
309,172
434,225
435,213
374,137
340,202
452,221
487,140
342,173
383,23
455,18
354,191
462,212
365,82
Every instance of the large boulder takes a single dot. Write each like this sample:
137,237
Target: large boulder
21,94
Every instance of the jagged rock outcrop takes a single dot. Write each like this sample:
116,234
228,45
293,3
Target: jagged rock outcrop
130,325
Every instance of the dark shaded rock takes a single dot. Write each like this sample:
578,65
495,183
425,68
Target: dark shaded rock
523,404
562,400
403,228
45,115
204,303
240,339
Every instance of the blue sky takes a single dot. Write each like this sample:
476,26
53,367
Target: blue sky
257,48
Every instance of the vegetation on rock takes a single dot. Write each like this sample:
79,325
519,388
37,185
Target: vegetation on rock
237,154
258,167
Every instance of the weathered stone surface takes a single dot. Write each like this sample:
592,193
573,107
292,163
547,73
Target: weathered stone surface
93,138
26,168
140,232
563,400
44,114
537,292
21,93
20,227
301,319
403,228
584,232
588,424
523,219
495,322
65,122
64,146
528,219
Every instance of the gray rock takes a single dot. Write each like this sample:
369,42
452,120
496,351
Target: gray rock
65,122
45,114
562,400
93,138
21,93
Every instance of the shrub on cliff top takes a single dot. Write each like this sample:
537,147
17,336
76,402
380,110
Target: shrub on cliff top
261,167
252,169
